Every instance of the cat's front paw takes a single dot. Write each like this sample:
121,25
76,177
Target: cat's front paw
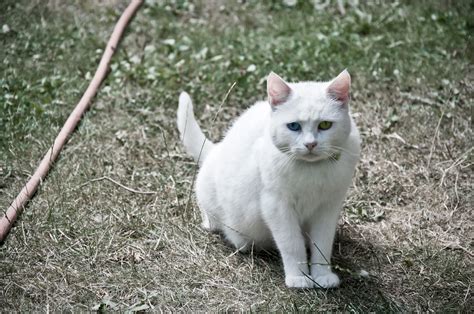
299,282
329,280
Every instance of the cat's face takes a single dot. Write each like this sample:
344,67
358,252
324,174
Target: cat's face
310,120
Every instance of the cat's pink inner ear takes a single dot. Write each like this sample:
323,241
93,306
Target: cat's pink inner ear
339,88
277,89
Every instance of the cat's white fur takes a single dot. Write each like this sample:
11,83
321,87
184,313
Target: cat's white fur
262,186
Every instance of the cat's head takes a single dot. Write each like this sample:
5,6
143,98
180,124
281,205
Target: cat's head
310,120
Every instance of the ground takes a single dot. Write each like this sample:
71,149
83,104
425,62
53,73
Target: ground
85,242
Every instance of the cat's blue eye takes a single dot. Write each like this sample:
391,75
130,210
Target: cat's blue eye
294,126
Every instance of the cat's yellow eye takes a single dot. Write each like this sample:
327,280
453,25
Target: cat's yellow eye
324,125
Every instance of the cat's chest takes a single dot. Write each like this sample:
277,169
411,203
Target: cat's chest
313,190
310,182
307,189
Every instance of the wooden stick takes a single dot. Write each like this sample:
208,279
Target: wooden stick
31,186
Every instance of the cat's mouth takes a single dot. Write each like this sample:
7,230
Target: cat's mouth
312,157
315,156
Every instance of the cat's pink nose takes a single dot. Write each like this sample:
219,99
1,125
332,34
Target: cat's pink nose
311,145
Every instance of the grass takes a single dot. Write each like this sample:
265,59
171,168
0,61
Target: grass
84,242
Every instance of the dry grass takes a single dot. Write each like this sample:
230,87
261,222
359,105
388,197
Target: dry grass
90,240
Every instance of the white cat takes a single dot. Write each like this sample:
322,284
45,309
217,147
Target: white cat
281,173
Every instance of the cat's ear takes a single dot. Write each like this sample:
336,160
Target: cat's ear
277,89
339,88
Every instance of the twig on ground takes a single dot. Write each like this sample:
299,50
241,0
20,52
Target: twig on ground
340,7
433,143
422,100
467,293
456,163
119,184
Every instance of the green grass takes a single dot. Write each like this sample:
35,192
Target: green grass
84,242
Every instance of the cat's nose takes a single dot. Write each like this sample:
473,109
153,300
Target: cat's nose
310,145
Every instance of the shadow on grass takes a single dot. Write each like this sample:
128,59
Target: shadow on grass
355,260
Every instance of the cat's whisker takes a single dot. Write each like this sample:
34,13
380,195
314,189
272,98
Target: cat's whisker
287,162
340,149
330,157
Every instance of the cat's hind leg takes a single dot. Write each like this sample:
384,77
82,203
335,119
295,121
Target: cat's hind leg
206,224
238,240
206,199
209,221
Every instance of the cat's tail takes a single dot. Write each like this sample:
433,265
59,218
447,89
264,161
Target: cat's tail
195,142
